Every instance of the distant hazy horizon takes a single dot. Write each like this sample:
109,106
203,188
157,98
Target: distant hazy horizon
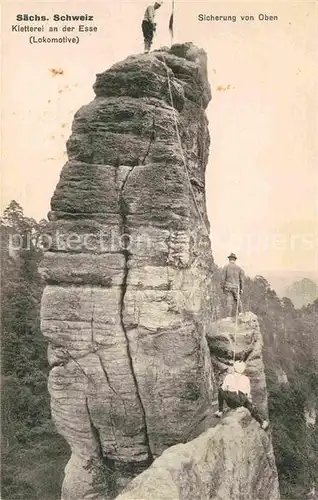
261,181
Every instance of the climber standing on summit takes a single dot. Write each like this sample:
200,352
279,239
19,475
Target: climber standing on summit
236,392
148,24
232,284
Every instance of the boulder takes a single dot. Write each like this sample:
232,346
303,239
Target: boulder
231,460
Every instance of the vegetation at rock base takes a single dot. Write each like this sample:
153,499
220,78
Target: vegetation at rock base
34,455
105,477
109,477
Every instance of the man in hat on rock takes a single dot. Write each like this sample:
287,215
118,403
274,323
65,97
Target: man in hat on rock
232,284
236,392
148,24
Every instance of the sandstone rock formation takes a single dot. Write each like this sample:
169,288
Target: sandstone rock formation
127,309
128,298
233,460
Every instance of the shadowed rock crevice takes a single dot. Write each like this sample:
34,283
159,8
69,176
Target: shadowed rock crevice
151,140
95,433
122,305
123,210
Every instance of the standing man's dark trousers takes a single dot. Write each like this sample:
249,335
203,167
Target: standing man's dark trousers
148,30
235,400
233,301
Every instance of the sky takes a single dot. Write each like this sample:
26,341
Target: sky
262,175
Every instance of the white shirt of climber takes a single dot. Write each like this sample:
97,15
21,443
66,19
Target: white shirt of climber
235,382
150,13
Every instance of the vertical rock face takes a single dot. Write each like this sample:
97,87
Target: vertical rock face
127,304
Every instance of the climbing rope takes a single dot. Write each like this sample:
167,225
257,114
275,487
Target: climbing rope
180,146
191,189
236,321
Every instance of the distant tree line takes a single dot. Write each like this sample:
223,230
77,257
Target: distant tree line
33,454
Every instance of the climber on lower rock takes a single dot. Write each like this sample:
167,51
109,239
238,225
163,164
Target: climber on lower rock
148,24
232,285
236,392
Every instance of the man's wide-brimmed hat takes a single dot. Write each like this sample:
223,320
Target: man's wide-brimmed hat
158,2
232,256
